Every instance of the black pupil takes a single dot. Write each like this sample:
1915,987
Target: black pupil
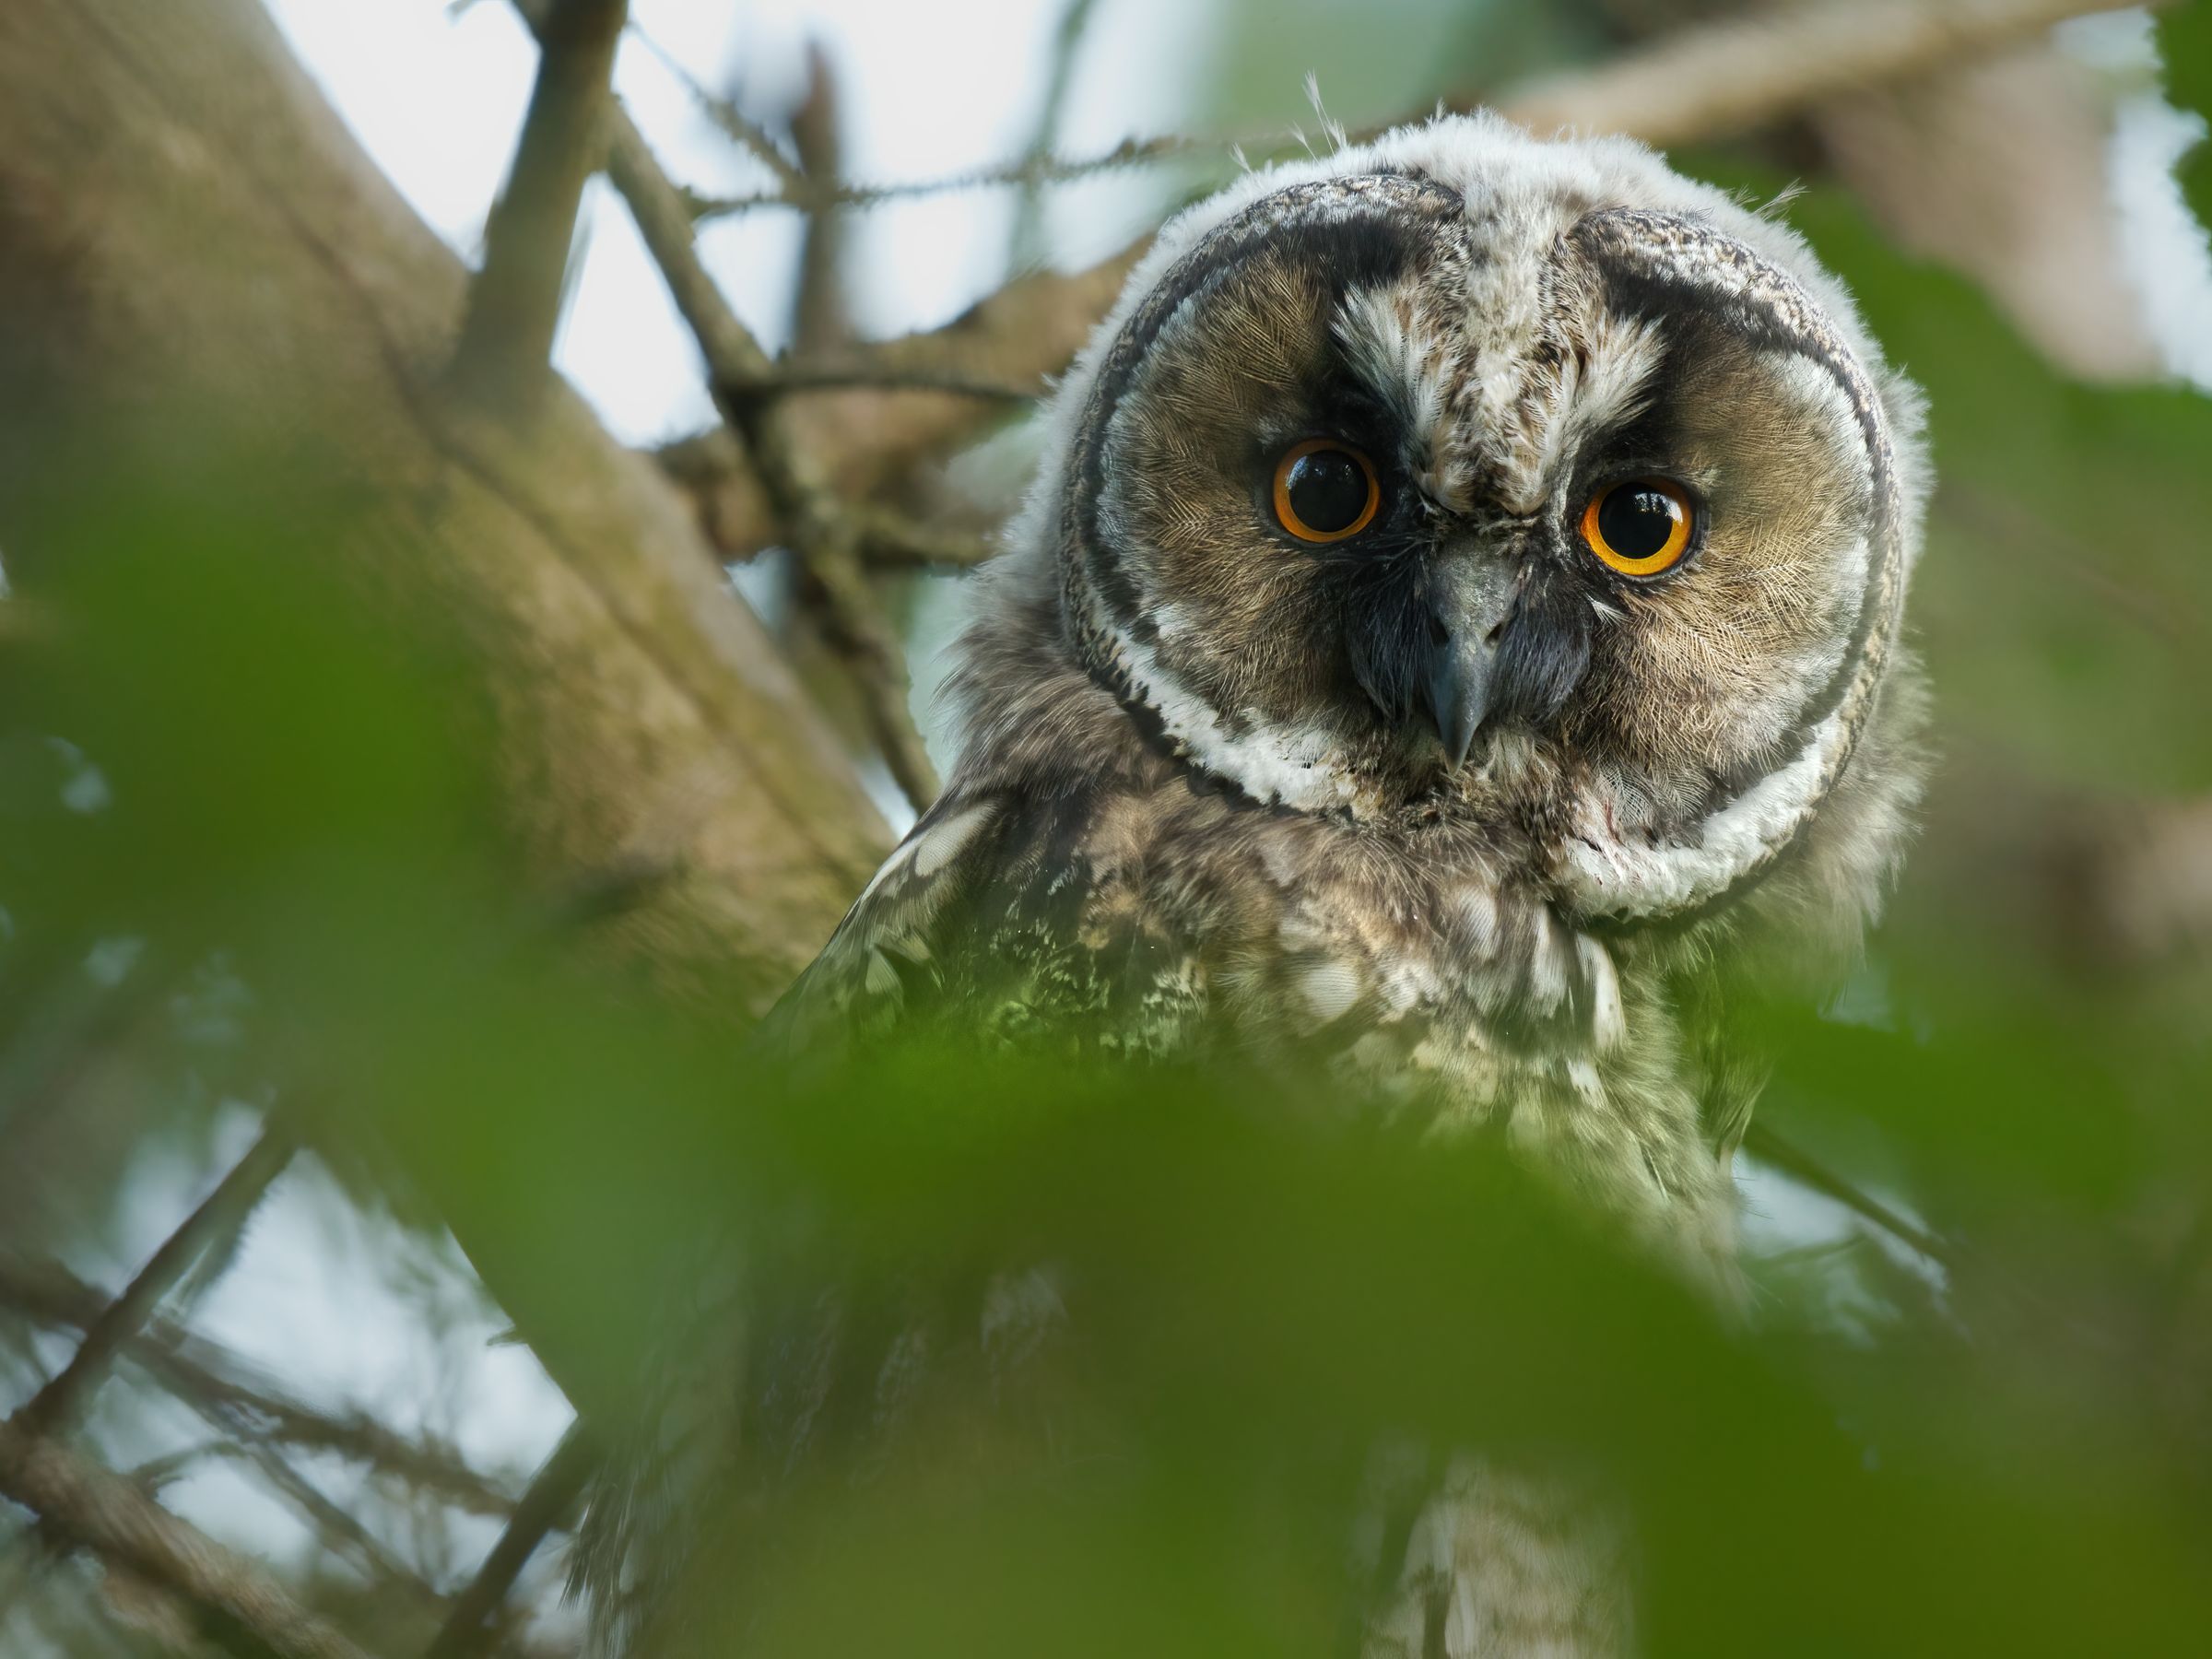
1636,519
1327,491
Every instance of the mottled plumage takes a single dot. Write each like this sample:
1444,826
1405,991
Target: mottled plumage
1198,805
1208,797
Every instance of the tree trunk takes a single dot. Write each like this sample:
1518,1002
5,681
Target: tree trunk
188,233
190,243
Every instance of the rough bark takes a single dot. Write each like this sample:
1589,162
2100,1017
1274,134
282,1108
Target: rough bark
229,1598
186,228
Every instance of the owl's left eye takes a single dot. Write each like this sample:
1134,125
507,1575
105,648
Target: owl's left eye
1640,527
1324,491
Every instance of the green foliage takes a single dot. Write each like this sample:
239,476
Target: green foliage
1260,1296
2185,44
2005,1452
1259,1292
2063,607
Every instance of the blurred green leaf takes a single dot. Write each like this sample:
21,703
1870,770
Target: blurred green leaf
2185,46
217,750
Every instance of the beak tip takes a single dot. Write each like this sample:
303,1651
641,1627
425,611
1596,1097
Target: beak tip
1458,734
1458,703
1460,653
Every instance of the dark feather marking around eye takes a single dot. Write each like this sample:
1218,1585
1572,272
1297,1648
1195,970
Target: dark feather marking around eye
1376,229
1657,294
1648,441
1542,654
1769,309
1386,610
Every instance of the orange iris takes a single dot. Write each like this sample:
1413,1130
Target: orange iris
1325,491
1640,526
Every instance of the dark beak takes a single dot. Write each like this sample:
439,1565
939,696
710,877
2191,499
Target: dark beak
1471,598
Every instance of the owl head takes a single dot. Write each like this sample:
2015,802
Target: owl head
1465,477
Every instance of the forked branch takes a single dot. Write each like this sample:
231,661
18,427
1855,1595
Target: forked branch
90,1508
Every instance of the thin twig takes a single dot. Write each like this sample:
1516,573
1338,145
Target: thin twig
819,318
865,372
220,1213
552,1494
339,1532
199,1372
515,303
1028,171
723,111
892,541
256,1423
806,509
2033,1299
1709,81
90,1508
809,513
869,442
1025,245
1800,1166
833,585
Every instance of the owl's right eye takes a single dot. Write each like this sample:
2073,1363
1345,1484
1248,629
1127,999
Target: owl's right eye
1326,491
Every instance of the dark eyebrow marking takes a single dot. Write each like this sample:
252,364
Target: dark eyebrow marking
1650,262
1357,231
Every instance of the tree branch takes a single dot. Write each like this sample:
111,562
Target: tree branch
866,369
805,506
515,303
623,709
1768,1148
641,714
868,441
1025,245
338,1531
1030,172
552,1494
834,584
892,541
200,1373
93,1509
1728,77
819,318
222,1212
735,124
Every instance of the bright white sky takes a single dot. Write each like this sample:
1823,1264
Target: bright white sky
436,93
928,89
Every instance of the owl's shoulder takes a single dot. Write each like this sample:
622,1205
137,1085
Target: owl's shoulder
1015,913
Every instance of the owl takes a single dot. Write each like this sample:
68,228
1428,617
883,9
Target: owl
1456,619
1454,627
